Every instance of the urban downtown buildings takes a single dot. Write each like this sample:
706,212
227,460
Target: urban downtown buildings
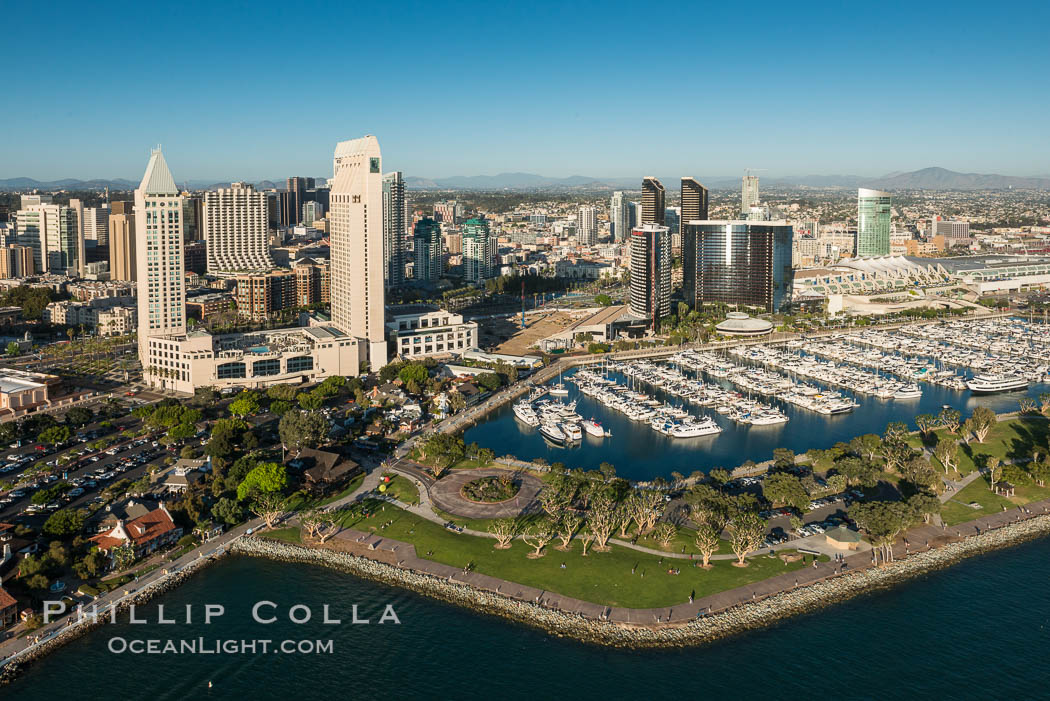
177,359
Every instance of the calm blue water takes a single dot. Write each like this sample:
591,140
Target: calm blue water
976,631
640,453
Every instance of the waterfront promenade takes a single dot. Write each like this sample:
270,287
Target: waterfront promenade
24,645
916,541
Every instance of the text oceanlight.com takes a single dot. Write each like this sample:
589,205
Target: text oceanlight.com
204,646
262,613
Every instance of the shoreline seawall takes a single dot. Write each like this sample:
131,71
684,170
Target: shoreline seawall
705,629
14,667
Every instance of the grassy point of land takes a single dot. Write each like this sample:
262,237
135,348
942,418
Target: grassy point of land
620,577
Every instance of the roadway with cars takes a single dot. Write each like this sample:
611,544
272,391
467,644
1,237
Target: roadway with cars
131,459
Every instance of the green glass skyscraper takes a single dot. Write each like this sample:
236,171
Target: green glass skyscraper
873,222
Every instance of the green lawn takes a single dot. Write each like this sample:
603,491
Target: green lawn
401,488
289,535
349,489
604,578
685,537
1010,439
954,512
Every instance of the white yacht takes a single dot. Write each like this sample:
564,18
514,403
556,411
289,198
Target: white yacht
526,414
553,433
706,427
908,391
594,428
572,431
987,384
559,390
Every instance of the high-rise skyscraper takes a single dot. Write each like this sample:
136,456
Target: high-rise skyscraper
737,262
296,197
619,216
122,242
236,231
651,272
53,232
357,245
160,271
81,255
694,208
873,222
587,225
477,251
394,229
694,201
192,217
427,245
748,193
96,226
652,201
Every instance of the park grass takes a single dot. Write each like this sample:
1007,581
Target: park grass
602,577
685,537
1012,439
957,509
402,489
288,535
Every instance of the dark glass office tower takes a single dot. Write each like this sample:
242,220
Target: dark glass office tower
652,201
694,208
739,262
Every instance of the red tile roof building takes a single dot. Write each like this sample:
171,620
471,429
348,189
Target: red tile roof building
147,533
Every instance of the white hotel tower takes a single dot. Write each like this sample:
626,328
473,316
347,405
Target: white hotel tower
159,262
236,229
358,303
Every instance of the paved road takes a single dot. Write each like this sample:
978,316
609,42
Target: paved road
16,645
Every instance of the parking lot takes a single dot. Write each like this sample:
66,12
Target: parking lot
89,472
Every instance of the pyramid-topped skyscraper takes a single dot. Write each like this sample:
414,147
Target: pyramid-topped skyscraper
159,266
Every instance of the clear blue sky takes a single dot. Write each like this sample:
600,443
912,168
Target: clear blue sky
265,89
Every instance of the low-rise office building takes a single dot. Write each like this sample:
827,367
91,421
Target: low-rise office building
281,356
422,330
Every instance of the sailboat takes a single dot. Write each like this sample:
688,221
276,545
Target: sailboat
559,390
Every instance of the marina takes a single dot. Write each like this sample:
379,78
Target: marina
889,387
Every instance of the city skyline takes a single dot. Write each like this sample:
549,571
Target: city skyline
72,127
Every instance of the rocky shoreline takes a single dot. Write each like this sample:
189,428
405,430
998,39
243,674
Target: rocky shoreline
13,669
706,629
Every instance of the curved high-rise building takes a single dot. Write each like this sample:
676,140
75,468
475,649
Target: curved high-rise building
738,262
873,222
651,272
477,250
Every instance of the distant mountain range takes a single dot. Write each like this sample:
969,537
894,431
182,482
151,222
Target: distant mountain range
925,179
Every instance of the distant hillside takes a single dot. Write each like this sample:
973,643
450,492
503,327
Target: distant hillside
65,184
943,179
